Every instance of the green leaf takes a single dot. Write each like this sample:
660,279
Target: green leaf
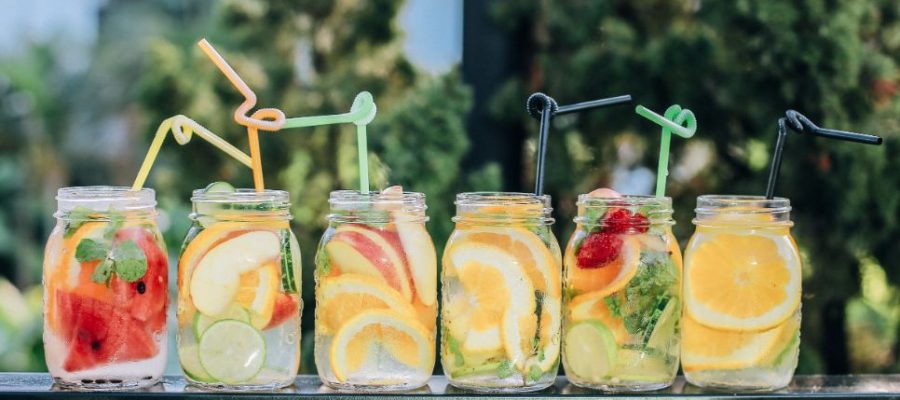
76,217
130,261
91,250
614,304
115,222
535,373
505,369
103,272
323,263
453,345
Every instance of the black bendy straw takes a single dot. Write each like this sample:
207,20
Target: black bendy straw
802,125
543,107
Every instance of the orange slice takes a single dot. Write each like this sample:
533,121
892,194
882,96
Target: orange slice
742,282
345,296
705,348
592,306
403,337
608,279
257,290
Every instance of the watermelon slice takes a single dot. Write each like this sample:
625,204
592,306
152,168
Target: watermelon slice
145,299
100,333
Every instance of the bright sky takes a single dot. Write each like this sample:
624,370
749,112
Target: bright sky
433,39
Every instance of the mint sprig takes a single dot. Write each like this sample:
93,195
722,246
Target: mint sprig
125,259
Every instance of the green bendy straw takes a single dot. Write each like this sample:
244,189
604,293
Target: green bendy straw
672,122
362,112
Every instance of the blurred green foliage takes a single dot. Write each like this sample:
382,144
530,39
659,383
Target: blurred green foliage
738,65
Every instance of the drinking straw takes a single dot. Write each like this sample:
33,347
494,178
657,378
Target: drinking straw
544,108
361,113
800,124
671,123
182,129
267,119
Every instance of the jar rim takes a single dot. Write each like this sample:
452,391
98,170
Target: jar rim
503,208
356,197
741,204
102,198
354,206
243,196
501,198
627,200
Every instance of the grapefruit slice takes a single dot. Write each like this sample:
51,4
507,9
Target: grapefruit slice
343,297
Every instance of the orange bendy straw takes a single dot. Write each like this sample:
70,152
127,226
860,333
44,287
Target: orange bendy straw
267,119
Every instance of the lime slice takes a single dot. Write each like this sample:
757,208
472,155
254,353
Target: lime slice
235,312
590,350
664,329
223,187
190,363
232,352
639,366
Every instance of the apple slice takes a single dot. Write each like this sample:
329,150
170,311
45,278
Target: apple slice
216,280
422,260
362,250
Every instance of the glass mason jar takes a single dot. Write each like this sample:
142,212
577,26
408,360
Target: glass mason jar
376,293
105,290
500,320
622,285
741,326
239,281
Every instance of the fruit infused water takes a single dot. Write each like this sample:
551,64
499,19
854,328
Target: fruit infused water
741,327
239,281
500,320
622,285
105,290
376,292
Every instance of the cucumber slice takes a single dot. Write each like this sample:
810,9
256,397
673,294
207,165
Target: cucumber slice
590,350
232,352
664,329
290,264
189,358
203,322
223,187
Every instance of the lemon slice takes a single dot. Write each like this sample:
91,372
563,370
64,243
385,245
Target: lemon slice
343,297
502,299
531,252
232,352
707,348
742,282
407,341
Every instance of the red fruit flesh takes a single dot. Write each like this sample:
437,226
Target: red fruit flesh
146,298
598,249
285,309
100,333
620,220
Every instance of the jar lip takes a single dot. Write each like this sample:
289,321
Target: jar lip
355,197
624,201
243,196
105,198
501,198
741,204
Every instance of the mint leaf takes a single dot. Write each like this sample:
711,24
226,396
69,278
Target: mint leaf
453,345
116,221
614,304
130,261
76,217
534,373
103,272
505,369
91,250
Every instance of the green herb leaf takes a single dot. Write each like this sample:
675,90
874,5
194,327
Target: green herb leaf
505,369
453,345
91,250
323,263
614,304
535,373
77,217
647,293
130,261
116,220
102,272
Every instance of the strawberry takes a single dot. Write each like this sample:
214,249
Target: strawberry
598,249
620,220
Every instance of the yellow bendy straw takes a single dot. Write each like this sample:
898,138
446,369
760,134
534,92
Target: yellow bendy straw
182,129
267,119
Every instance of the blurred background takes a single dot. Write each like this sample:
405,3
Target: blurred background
84,84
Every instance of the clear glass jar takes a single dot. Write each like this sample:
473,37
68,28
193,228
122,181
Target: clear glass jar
501,313
239,281
622,285
742,286
376,293
105,290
